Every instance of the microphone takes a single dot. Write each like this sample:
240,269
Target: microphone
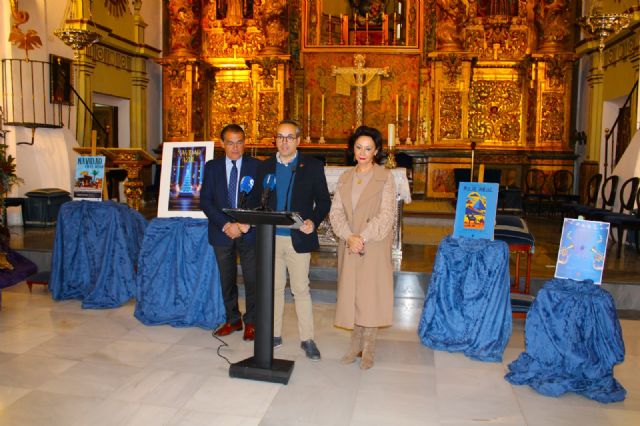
268,185
246,185
293,175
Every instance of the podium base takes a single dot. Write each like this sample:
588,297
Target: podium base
280,371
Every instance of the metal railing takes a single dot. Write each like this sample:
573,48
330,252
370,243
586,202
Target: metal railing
612,149
29,99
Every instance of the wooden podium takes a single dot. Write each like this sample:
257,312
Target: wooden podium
130,159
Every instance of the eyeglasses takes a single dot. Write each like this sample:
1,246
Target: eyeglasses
288,138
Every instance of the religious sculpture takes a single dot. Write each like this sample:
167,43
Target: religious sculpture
553,21
451,16
184,22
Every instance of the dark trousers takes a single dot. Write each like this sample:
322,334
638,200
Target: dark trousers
226,257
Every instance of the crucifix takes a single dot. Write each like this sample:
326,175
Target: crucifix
359,76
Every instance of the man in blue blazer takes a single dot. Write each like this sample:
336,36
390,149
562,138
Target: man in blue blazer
220,189
301,186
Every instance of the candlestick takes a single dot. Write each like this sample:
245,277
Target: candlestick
395,27
408,140
321,140
330,41
366,30
308,139
397,108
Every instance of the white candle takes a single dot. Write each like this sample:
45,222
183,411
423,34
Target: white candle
308,105
391,129
296,109
322,108
409,109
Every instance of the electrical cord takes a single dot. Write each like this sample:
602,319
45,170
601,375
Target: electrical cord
222,345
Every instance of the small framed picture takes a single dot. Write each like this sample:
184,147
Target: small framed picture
60,80
181,178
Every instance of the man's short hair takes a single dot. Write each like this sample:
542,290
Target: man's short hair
233,128
292,123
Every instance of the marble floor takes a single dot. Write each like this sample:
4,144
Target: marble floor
62,365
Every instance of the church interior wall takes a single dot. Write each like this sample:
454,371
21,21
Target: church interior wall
50,161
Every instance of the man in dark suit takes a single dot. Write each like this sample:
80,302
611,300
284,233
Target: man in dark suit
301,186
220,189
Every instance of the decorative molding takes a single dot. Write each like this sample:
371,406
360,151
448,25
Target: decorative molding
107,56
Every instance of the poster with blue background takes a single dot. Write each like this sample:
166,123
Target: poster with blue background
583,249
476,210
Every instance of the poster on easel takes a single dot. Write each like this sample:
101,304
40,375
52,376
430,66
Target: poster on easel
476,210
583,249
181,178
89,178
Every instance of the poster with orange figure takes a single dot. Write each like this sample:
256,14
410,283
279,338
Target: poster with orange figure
476,210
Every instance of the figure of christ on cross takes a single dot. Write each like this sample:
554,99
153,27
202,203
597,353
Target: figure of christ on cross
359,76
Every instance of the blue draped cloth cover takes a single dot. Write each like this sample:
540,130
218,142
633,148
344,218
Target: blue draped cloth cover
95,252
178,277
573,341
467,308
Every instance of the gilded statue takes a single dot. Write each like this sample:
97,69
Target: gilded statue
452,14
553,22
184,20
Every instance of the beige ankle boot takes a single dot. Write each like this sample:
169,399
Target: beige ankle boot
368,347
356,346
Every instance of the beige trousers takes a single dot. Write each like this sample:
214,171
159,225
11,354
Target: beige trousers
287,259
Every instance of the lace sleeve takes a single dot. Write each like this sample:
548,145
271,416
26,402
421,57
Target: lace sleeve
338,217
381,225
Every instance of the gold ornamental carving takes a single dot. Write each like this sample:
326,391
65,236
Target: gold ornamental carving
178,111
452,67
272,19
267,114
450,114
232,102
553,18
232,42
494,111
184,25
552,126
451,15
555,69
268,70
497,41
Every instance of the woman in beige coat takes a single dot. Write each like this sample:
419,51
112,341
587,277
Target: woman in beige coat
362,216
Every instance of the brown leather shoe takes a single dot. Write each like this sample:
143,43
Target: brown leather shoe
249,332
228,328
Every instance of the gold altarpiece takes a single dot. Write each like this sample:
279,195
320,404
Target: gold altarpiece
493,72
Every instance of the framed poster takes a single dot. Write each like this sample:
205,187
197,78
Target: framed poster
60,78
583,250
476,210
181,178
89,178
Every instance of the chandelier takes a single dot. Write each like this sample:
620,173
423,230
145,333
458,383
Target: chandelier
76,32
603,25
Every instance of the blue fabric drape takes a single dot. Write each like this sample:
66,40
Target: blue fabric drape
467,308
573,341
178,277
94,253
